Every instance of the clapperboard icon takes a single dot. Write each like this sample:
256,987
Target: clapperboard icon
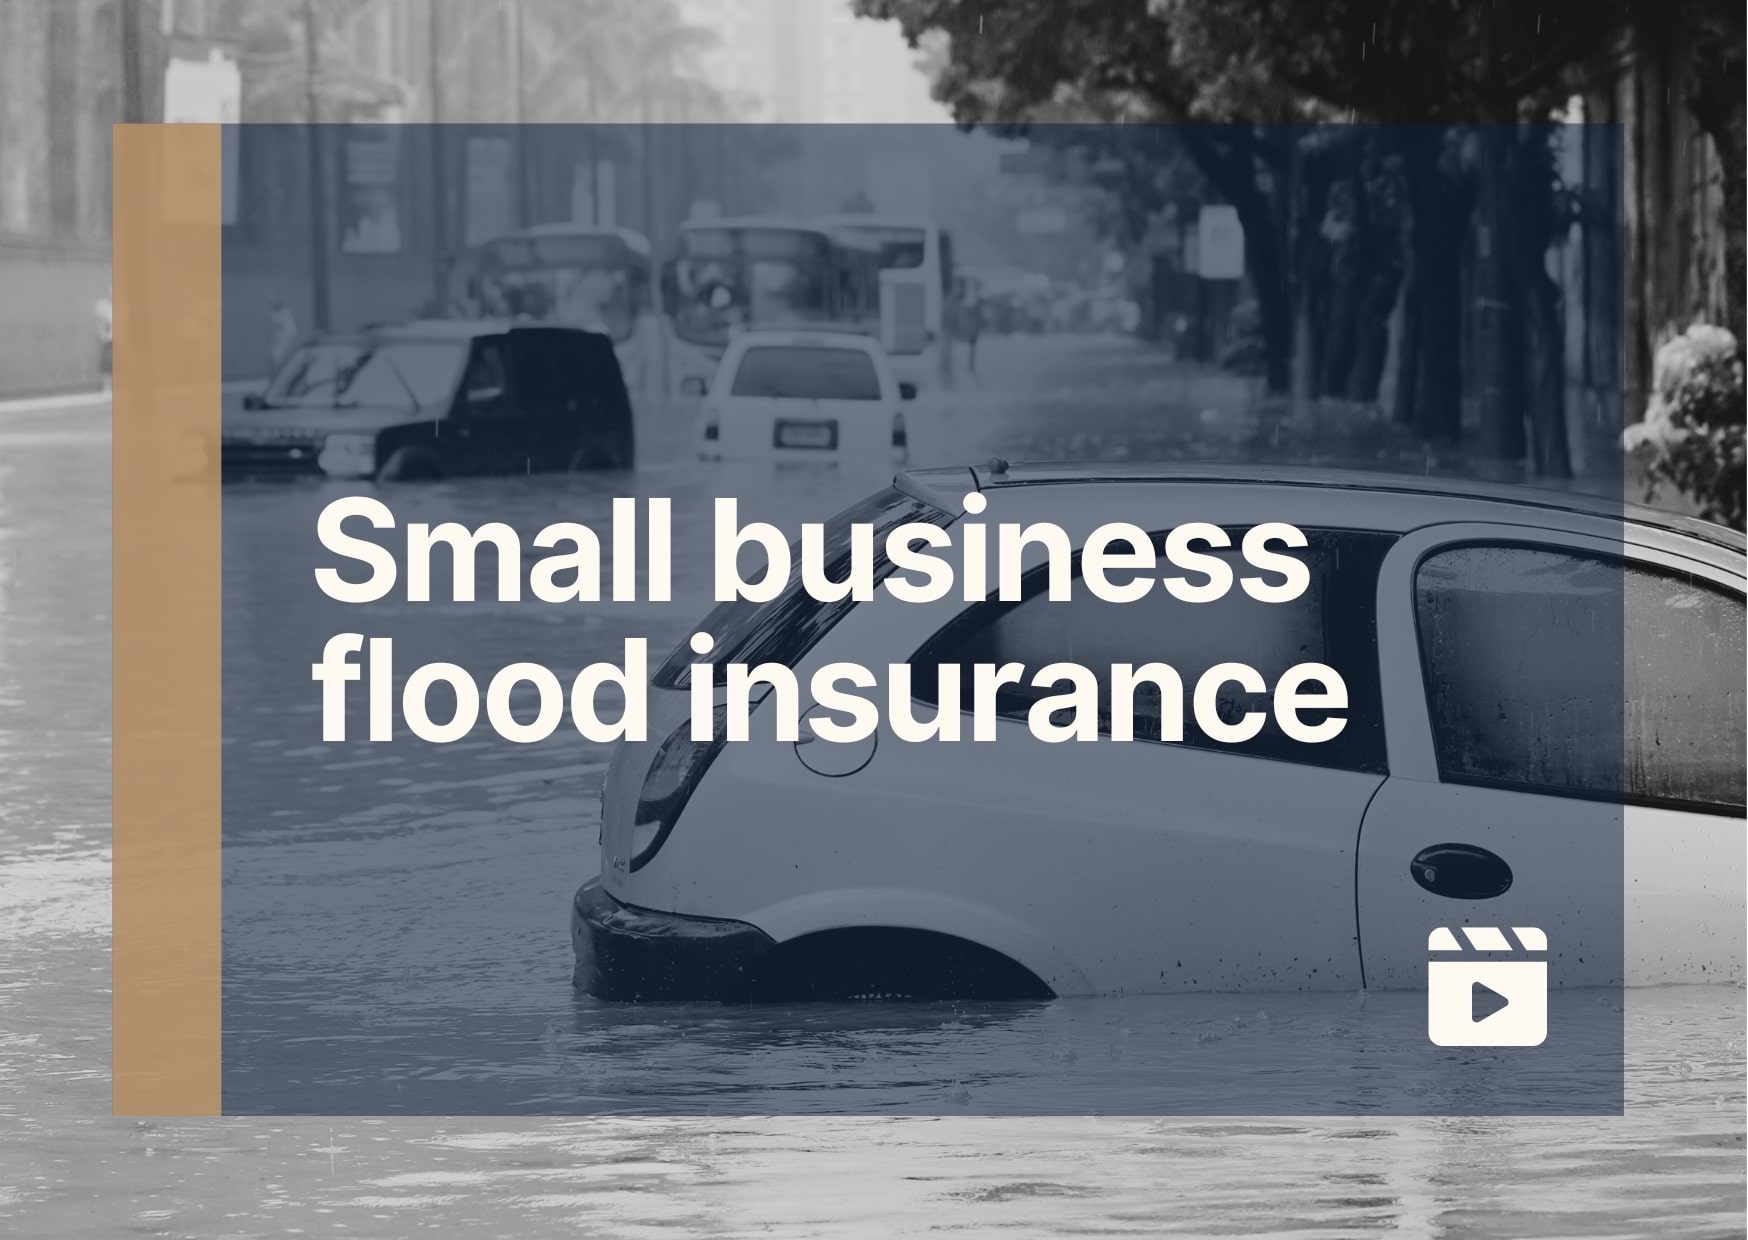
1486,986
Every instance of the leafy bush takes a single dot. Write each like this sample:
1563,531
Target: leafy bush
1692,435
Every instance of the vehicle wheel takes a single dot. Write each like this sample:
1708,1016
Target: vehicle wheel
409,465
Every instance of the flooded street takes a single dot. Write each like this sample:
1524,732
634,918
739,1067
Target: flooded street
354,980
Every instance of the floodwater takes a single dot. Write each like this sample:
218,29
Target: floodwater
443,1006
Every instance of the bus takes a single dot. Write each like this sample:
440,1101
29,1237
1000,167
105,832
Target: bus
597,278
918,299
737,273
762,271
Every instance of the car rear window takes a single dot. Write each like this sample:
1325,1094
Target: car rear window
786,628
801,372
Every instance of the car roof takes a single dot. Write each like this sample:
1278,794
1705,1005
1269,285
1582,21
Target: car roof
946,489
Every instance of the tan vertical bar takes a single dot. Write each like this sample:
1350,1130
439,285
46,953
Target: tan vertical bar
166,1027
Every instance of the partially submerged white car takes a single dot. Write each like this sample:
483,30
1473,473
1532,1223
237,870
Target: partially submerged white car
1483,778
807,394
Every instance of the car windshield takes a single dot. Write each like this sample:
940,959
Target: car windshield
800,372
343,374
786,628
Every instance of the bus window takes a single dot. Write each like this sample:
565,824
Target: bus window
729,277
900,248
594,281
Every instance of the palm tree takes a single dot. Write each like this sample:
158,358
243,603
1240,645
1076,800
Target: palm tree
606,61
613,62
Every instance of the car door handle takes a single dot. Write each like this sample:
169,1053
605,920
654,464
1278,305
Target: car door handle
1461,872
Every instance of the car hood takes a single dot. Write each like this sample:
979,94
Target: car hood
249,423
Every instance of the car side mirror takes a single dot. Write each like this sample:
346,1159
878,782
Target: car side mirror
254,400
692,385
907,391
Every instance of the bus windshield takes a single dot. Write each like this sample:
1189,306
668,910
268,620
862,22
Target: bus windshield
594,282
731,278
900,248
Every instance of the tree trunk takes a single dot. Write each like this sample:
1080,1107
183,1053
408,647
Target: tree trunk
1313,269
1268,282
1407,396
1350,262
1499,352
1438,410
1550,451
1716,102
1372,337
1429,394
1233,171
1542,359
1378,254
1341,337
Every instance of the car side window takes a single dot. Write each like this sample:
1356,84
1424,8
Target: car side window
485,389
1569,673
1332,622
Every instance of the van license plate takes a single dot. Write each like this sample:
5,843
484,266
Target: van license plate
820,435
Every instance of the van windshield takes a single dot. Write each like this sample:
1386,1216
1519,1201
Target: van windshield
786,628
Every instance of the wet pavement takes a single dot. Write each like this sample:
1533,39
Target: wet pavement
471,1006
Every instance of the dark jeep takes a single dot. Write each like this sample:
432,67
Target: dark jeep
436,399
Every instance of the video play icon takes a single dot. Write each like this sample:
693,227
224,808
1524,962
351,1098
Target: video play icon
1484,1001
1483,992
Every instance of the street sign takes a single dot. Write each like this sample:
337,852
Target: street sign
1219,244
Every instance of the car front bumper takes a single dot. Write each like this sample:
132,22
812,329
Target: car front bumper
634,954
247,458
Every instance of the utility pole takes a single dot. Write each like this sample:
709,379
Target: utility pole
133,69
439,157
524,178
647,149
318,204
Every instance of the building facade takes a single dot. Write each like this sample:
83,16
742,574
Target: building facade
61,88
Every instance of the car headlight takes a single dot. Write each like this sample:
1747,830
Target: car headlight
348,456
